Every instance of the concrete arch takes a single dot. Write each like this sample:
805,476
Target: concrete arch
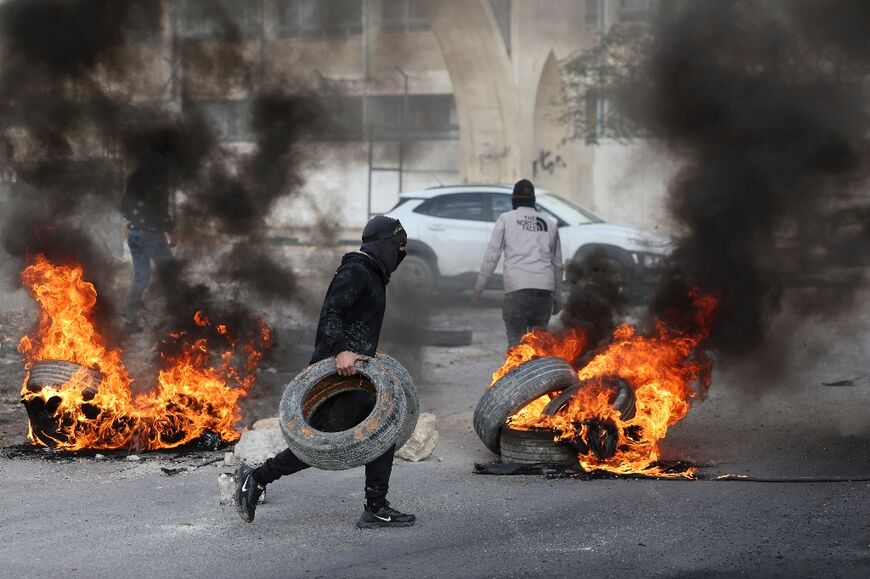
550,167
486,101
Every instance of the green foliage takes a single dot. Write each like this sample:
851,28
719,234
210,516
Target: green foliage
600,82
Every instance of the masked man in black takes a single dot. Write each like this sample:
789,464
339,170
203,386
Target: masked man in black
349,328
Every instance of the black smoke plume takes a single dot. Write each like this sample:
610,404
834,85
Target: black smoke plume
773,135
61,38
597,297
765,105
77,145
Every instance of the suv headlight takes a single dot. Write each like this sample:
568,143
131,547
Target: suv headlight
649,260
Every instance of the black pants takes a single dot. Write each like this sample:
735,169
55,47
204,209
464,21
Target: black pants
525,309
337,413
285,462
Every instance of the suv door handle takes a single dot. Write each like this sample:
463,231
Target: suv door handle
436,227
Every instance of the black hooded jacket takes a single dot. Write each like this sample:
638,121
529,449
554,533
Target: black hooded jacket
353,309
145,204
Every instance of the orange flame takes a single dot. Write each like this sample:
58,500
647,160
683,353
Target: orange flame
664,371
539,343
194,393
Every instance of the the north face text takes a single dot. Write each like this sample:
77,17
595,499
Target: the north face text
532,223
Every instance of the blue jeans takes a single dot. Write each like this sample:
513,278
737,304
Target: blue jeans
145,247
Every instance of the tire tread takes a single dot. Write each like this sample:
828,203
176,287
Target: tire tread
515,389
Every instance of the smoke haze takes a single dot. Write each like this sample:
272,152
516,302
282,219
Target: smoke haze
764,103
77,141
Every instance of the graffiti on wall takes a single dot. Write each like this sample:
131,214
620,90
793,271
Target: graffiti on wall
492,157
547,162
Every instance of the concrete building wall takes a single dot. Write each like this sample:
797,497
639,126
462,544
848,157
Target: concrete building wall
343,60
544,32
487,102
629,183
503,70
552,163
367,64
335,194
507,98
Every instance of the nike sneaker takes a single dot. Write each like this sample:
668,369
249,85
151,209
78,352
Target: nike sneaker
247,493
386,516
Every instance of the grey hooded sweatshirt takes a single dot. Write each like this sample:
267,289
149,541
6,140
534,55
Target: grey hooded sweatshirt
532,252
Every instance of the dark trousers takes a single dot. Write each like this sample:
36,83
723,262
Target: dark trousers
333,415
145,247
285,462
525,309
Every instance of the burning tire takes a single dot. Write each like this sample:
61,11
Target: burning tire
624,400
601,437
350,447
514,390
56,373
535,447
412,402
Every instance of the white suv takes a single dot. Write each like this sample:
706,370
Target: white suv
449,229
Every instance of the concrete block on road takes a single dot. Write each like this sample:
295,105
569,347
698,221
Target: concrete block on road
266,424
423,440
255,446
227,484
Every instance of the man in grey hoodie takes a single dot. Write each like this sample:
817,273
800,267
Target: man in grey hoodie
532,251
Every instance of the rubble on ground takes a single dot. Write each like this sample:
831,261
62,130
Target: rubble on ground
265,440
258,444
423,440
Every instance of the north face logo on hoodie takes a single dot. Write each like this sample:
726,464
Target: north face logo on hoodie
533,223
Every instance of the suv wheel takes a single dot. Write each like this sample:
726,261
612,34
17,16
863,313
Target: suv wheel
620,276
414,279
605,269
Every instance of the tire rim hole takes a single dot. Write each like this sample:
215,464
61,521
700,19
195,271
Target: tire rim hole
338,403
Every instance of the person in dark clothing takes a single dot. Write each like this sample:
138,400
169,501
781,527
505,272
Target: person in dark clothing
150,234
348,330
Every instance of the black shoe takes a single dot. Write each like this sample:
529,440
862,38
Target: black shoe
247,493
386,516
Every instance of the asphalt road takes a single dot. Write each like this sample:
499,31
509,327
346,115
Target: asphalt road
84,517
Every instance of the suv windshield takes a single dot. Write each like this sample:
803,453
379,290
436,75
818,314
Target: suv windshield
567,210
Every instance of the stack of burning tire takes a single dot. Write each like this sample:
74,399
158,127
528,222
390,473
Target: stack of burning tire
54,374
528,382
391,420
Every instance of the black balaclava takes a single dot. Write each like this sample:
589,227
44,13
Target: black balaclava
524,194
381,239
